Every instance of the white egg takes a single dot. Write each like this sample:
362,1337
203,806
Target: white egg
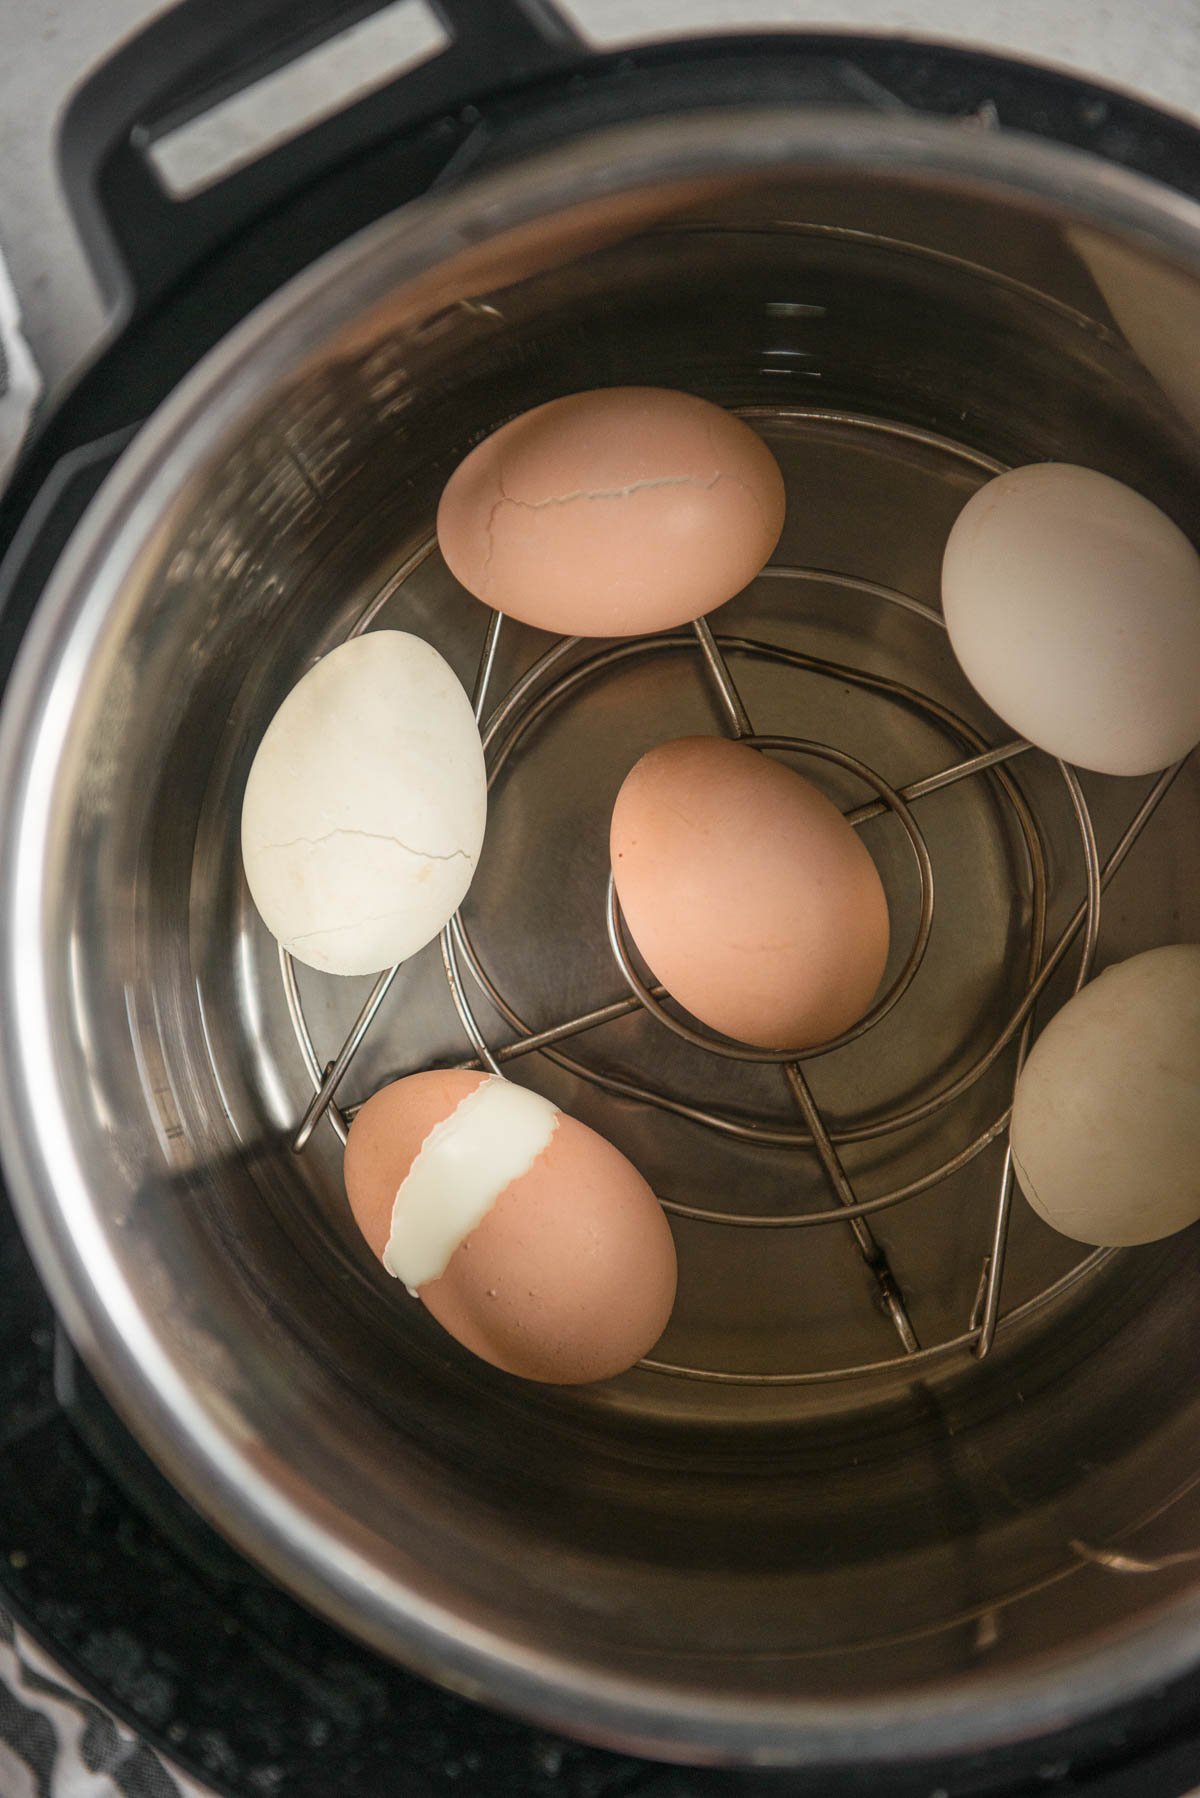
1106,1119
1073,605
364,811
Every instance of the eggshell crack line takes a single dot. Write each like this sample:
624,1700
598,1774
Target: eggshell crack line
568,499
370,836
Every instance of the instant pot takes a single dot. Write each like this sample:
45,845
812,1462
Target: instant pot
907,1499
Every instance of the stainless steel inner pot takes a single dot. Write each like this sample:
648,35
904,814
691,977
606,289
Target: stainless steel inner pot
810,1544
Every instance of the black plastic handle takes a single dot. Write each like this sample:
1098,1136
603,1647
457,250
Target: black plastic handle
141,239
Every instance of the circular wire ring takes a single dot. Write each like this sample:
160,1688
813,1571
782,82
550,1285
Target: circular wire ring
525,706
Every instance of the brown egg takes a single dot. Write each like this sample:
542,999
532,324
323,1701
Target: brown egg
747,893
612,513
532,1240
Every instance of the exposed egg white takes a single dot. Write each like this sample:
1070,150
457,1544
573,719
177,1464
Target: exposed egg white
364,811
490,1139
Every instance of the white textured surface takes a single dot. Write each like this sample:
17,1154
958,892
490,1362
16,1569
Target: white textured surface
1152,49
490,1139
319,84
67,1750
19,381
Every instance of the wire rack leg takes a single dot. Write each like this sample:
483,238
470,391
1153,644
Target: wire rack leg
335,1070
988,1305
864,1236
738,719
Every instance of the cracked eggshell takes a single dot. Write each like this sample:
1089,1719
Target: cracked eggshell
364,811
569,1274
613,513
1106,1119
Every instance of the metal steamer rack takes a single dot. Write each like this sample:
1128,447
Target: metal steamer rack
549,683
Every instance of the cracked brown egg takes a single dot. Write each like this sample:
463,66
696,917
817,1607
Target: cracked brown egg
613,513
364,809
531,1239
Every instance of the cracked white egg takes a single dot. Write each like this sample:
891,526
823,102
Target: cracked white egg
365,806
612,513
1106,1118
